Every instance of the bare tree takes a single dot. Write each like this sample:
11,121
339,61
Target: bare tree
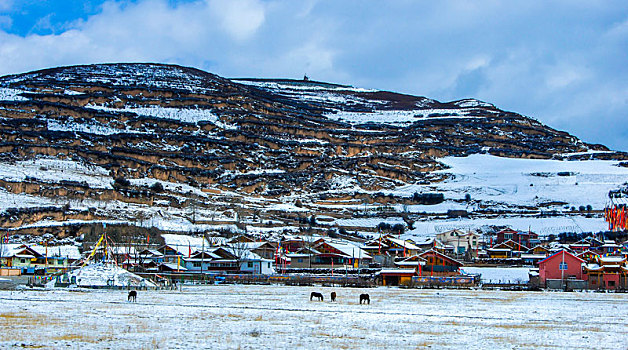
239,250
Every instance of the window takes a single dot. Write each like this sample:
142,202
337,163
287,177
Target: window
611,283
197,264
23,261
250,264
269,265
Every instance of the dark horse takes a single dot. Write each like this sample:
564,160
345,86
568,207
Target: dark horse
365,297
132,295
316,295
333,296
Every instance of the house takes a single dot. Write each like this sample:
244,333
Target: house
437,263
122,253
352,254
391,246
610,247
330,253
242,238
560,266
588,256
201,262
19,256
526,239
514,246
171,267
414,261
580,246
538,249
56,258
255,264
176,246
607,272
534,255
291,243
462,242
215,259
532,259
499,253
266,250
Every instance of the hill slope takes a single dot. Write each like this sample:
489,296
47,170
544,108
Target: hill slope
182,149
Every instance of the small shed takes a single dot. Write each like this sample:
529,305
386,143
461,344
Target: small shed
395,277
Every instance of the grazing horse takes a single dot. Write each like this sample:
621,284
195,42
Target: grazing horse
333,296
365,297
316,295
132,295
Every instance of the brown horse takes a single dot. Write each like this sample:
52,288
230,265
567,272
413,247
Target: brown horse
316,295
132,295
333,296
365,297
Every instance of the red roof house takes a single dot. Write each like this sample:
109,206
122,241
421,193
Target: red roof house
561,265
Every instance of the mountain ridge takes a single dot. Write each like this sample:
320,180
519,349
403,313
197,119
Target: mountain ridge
233,148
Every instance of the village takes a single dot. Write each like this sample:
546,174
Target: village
510,259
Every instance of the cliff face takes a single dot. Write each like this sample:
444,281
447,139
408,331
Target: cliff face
218,143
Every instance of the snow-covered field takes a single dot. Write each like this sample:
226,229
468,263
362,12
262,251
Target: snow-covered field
260,317
501,274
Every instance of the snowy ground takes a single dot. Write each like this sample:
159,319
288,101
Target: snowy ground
256,317
501,274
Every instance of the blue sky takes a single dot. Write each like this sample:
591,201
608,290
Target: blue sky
564,63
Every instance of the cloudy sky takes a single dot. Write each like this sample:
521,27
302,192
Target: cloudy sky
562,62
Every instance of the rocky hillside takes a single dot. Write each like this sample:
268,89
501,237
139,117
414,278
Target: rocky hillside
182,149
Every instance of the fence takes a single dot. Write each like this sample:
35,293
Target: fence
297,280
446,281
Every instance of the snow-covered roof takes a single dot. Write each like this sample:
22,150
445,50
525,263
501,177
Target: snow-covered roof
612,259
183,243
533,256
348,249
559,253
174,266
151,252
123,250
410,263
249,245
397,271
403,243
65,251
11,249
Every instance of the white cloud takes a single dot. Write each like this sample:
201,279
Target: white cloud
239,18
5,5
562,62
563,76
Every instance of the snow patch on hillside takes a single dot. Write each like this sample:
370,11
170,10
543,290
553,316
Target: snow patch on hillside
398,116
88,127
182,114
7,94
531,181
54,170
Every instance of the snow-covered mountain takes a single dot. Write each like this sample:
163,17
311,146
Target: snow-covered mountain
184,150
